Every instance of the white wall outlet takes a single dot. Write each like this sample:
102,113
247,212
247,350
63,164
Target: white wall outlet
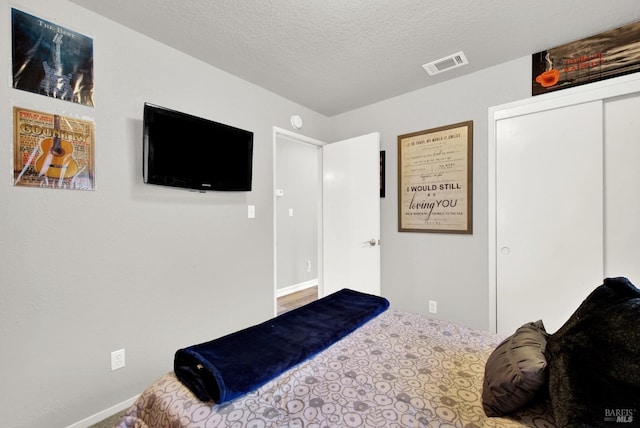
433,307
117,359
251,211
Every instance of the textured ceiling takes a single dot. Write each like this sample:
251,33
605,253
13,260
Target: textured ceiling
336,55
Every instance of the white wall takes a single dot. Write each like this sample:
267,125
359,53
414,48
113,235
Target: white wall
418,267
128,265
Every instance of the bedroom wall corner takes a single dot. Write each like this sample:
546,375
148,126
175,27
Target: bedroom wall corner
127,265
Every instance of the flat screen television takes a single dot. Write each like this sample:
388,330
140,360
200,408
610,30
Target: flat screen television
181,150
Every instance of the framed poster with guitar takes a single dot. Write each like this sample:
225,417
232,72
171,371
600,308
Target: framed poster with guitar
52,151
51,60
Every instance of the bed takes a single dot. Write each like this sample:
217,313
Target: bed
398,369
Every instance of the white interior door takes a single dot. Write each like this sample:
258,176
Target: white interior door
351,215
549,214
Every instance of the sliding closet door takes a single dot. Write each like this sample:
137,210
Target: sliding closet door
549,214
622,181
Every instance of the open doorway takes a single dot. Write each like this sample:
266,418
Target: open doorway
297,219
347,211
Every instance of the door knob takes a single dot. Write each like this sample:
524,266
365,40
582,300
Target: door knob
371,242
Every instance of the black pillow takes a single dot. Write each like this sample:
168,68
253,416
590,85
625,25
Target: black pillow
594,359
516,371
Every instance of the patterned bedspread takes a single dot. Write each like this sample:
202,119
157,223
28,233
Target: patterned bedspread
398,370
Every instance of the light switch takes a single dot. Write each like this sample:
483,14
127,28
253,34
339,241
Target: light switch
251,211
290,212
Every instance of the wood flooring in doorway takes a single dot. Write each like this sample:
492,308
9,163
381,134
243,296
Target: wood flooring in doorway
297,299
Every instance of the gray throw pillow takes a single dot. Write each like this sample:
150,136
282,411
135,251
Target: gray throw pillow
516,371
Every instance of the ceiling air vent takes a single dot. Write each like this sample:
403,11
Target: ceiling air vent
447,63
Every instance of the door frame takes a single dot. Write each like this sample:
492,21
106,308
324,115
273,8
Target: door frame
299,138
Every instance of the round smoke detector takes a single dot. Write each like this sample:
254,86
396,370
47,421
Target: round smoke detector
296,121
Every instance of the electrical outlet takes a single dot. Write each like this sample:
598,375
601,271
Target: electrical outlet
433,307
117,359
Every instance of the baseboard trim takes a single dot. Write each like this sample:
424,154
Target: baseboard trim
296,287
94,419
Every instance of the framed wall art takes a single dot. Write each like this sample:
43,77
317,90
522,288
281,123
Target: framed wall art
435,179
383,168
52,151
51,60
603,56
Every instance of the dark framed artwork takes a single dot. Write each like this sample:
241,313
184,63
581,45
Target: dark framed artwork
606,55
382,172
51,60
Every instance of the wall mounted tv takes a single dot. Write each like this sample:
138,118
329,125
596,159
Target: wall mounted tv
181,150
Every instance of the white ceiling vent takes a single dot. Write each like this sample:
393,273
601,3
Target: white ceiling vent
447,63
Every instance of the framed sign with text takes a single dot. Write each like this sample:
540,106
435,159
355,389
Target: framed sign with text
602,56
435,180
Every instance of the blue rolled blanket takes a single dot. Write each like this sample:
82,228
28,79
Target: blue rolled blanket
233,365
